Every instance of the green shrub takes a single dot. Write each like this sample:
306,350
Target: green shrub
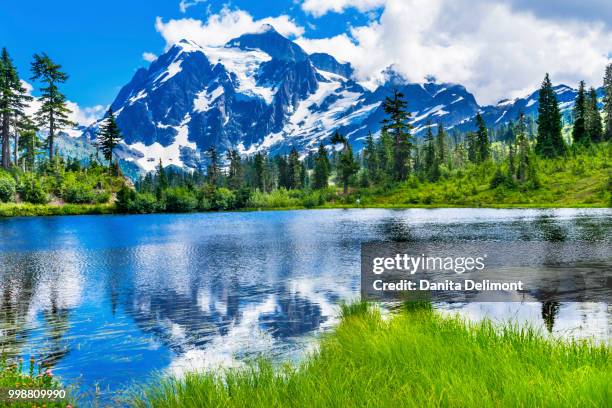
31,191
144,203
78,193
223,199
7,187
180,200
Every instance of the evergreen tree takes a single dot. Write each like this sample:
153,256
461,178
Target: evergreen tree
384,150
162,180
511,160
283,172
29,144
321,169
294,170
13,99
53,112
593,125
441,145
371,160
482,140
347,166
259,164
398,127
109,137
235,173
549,140
579,132
431,162
608,103
522,143
472,147
213,171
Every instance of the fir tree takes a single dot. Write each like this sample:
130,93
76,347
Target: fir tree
162,180
579,131
472,147
482,139
53,112
431,162
294,170
371,160
549,140
13,99
398,127
235,173
593,125
522,143
29,144
441,145
109,137
283,172
321,169
347,166
213,171
607,99
259,164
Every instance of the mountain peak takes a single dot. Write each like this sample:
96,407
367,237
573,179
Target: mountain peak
270,41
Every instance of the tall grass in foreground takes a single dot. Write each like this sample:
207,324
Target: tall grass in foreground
417,358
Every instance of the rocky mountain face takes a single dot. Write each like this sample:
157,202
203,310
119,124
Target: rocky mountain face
263,92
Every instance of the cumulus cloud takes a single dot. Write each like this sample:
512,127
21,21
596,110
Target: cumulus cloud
149,56
222,27
184,4
495,49
83,116
318,8
87,115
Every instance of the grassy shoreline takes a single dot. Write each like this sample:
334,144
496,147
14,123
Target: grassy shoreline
416,358
9,210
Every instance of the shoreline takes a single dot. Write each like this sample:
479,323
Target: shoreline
12,210
405,360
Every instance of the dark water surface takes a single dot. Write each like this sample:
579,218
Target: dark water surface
109,300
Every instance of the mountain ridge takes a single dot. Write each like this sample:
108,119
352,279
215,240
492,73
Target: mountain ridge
263,92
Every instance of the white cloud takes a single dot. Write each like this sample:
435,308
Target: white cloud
222,27
149,56
82,116
321,7
87,115
184,5
495,50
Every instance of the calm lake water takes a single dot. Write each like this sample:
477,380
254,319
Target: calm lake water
109,300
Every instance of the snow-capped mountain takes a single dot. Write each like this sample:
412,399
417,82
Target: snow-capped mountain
262,91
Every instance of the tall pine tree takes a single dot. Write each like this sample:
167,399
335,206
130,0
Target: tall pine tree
608,103
579,131
593,125
109,137
321,168
482,139
398,127
235,173
549,140
53,112
13,99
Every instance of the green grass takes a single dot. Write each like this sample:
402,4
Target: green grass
27,210
415,359
12,376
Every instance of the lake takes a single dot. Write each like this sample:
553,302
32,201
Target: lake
109,300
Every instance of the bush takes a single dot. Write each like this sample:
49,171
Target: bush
144,203
180,200
223,199
32,191
78,193
7,188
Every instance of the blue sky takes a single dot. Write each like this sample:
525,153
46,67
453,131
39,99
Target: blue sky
100,44
496,48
